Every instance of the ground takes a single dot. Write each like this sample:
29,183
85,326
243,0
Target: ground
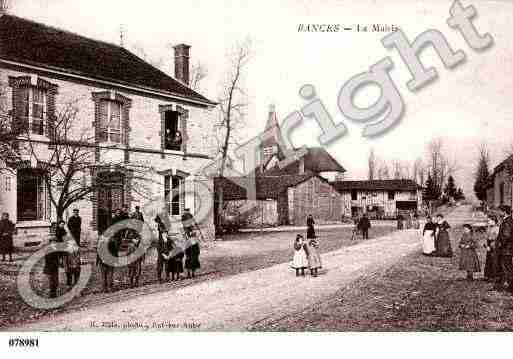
236,254
383,284
416,293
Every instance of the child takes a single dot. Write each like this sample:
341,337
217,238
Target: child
314,258
72,262
135,267
469,261
300,261
192,253
176,261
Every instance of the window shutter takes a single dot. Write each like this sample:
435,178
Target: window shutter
184,115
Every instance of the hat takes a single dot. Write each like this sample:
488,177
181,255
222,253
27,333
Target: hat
505,208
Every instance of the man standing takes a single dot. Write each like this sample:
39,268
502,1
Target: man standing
505,247
75,226
137,214
6,233
364,226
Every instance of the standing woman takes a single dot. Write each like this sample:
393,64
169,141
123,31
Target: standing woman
428,237
310,230
192,253
469,261
6,232
442,238
492,268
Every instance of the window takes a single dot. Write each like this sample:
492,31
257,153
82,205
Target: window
172,135
110,121
354,195
391,195
7,184
501,193
31,109
172,185
33,203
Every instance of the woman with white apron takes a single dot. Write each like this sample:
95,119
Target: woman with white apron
428,237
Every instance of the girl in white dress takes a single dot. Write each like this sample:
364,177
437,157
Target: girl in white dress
300,259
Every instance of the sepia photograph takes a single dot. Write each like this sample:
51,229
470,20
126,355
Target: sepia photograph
257,167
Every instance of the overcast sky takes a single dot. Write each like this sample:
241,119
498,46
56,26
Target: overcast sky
468,105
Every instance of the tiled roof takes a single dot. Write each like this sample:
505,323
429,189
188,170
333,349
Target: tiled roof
36,44
317,160
387,185
266,186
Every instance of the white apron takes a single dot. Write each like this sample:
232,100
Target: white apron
428,242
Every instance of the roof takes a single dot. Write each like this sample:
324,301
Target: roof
266,186
375,185
317,160
36,44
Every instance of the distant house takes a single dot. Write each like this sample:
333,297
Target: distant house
379,198
283,195
499,184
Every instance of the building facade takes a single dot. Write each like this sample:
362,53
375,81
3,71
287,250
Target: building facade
133,115
379,198
499,185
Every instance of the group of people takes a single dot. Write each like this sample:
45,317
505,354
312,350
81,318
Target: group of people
499,250
435,237
361,225
306,252
410,221
170,251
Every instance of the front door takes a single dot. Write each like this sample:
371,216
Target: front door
110,197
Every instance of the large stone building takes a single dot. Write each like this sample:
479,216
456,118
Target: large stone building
135,115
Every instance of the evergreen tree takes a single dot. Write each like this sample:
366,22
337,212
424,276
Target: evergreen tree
481,174
459,195
432,190
450,188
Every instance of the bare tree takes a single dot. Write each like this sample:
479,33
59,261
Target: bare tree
383,171
232,101
8,133
371,162
68,160
441,166
197,74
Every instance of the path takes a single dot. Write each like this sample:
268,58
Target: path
240,301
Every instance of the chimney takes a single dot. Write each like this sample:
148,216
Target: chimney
182,63
4,7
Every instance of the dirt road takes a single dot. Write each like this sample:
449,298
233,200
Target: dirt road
236,302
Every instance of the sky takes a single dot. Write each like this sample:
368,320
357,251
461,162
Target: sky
468,105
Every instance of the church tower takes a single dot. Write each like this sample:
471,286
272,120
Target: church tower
270,146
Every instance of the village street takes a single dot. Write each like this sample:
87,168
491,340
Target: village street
248,299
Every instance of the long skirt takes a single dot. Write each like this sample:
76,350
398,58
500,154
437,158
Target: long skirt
469,261
428,242
314,258
492,267
444,245
300,260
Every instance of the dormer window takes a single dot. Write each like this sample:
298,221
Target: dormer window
110,117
